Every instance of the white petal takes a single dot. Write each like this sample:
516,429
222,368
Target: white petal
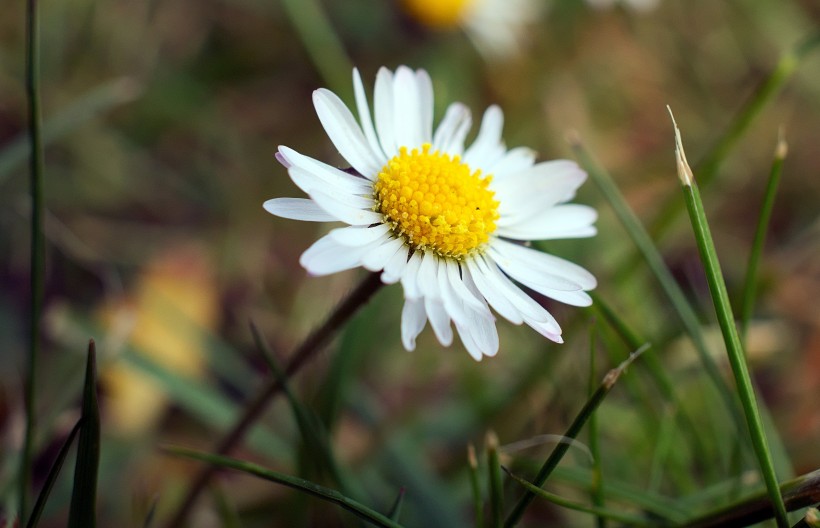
453,129
358,235
460,288
345,213
531,190
526,305
561,221
439,320
321,174
376,259
428,276
524,271
487,147
547,330
297,209
537,281
515,160
364,116
345,133
545,263
281,159
425,85
409,278
326,256
452,304
413,319
469,343
383,109
576,298
406,109
394,269
494,295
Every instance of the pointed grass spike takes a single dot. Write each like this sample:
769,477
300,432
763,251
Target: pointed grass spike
731,337
496,483
475,487
83,512
395,509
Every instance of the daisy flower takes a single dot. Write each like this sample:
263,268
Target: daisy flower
441,219
494,26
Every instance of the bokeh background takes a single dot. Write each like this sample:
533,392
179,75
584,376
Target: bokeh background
162,120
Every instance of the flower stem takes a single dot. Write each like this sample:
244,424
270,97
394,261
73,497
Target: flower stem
37,243
723,308
306,351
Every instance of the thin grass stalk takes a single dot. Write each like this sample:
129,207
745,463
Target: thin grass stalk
750,283
322,44
601,513
53,473
659,375
360,510
572,432
496,483
654,260
314,435
301,356
597,491
475,487
723,308
37,263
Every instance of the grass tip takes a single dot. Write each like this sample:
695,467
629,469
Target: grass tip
471,458
572,137
491,439
782,148
684,171
613,375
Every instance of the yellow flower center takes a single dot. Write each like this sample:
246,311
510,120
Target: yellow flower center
439,14
436,203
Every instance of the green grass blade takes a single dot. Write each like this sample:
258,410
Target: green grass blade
95,102
597,491
475,487
305,486
750,283
37,260
83,512
53,473
654,260
601,513
617,491
496,483
395,509
322,44
723,308
314,436
558,453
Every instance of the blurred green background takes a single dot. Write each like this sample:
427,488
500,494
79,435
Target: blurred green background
162,120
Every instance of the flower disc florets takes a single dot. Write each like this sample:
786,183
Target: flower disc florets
436,202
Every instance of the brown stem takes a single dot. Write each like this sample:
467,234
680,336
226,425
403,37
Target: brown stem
798,493
306,351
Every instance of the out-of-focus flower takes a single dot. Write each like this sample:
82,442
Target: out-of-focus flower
638,5
439,218
173,306
496,27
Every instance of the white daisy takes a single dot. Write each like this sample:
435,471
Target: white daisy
439,218
496,27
